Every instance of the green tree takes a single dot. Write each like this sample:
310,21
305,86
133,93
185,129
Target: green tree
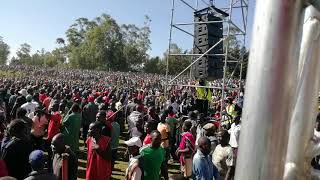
152,65
23,54
136,42
4,51
176,63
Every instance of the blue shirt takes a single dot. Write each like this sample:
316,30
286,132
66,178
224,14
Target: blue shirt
203,168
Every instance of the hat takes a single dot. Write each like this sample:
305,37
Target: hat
29,98
134,141
36,158
23,92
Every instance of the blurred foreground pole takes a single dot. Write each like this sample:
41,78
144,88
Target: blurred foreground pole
300,146
270,89
65,169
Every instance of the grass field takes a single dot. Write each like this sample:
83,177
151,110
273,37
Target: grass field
120,166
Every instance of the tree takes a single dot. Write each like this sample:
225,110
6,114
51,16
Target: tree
60,41
4,51
136,42
152,65
23,54
96,45
177,63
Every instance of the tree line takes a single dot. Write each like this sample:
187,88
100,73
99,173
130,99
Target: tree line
103,44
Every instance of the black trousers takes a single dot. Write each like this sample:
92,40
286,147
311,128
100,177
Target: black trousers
202,106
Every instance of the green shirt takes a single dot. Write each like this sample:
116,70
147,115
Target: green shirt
115,133
152,160
70,129
172,124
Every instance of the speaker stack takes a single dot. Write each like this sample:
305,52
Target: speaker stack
207,34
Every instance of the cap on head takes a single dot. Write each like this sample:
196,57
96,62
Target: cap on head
23,92
36,159
134,141
29,98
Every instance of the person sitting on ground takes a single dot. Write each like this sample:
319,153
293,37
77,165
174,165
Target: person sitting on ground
99,154
134,170
60,152
37,162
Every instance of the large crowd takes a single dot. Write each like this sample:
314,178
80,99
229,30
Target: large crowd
46,112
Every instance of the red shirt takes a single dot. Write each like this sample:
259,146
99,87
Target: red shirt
54,125
42,97
46,102
97,167
147,140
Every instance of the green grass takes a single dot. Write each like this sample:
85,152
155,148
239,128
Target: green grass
120,166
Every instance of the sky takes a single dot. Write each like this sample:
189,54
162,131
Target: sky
40,22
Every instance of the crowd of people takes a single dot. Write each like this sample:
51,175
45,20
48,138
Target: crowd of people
46,112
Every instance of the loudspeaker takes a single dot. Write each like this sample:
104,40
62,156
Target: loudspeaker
208,30
208,34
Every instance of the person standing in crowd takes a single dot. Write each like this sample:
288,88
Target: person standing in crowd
164,130
186,150
153,157
106,126
47,100
21,114
19,102
88,116
135,121
115,134
135,169
99,154
71,126
149,127
30,106
230,108
234,132
202,167
38,130
42,95
53,128
62,151
15,149
37,162
222,156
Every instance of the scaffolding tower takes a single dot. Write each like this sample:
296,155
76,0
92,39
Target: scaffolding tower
235,25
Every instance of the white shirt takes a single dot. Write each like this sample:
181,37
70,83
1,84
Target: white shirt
136,174
234,132
30,107
222,157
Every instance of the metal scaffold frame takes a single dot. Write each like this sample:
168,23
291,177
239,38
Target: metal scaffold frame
229,22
